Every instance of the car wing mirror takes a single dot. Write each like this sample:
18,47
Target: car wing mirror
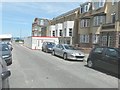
5,74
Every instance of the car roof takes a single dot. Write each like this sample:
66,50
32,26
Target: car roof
118,49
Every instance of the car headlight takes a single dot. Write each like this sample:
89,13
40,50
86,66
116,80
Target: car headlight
73,54
5,56
50,48
76,54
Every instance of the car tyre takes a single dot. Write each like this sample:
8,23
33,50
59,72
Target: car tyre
90,63
65,56
42,49
46,51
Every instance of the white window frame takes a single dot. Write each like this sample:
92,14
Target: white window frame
97,20
71,32
84,38
60,32
98,4
104,40
53,33
84,23
85,8
95,38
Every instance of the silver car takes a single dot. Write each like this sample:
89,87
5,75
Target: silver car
67,52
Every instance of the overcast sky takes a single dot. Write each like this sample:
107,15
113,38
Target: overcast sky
17,17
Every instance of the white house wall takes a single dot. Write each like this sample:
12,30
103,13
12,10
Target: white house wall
38,41
58,27
28,42
52,28
67,25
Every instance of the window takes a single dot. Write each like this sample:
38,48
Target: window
97,20
98,4
95,38
85,8
70,31
113,2
60,33
111,52
82,9
68,41
57,46
113,17
84,23
84,38
61,47
53,33
104,40
98,50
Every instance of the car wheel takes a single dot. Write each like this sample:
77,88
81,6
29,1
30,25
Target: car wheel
42,49
90,63
46,51
53,53
65,56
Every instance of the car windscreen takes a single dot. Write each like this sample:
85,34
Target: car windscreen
50,45
118,49
69,47
4,47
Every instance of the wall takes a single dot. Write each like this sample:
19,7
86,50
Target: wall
51,29
67,25
38,41
28,42
58,27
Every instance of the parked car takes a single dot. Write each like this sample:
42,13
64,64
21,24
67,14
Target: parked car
68,52
8,43
10,46
47,46
4,77
106,58
6,53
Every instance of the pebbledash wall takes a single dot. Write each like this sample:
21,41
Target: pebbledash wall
35,42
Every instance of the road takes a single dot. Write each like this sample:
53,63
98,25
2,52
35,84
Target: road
37,69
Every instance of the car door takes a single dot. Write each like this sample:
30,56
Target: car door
56,49
96,56
61,51
111,60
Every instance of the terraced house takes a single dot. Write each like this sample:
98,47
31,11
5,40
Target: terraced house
40,27
65,27
99,24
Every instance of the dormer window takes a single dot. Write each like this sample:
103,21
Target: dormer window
85,8
98,4
113,17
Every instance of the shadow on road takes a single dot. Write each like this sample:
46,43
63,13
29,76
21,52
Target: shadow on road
104,71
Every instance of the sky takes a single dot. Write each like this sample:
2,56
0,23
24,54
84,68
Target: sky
17,17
